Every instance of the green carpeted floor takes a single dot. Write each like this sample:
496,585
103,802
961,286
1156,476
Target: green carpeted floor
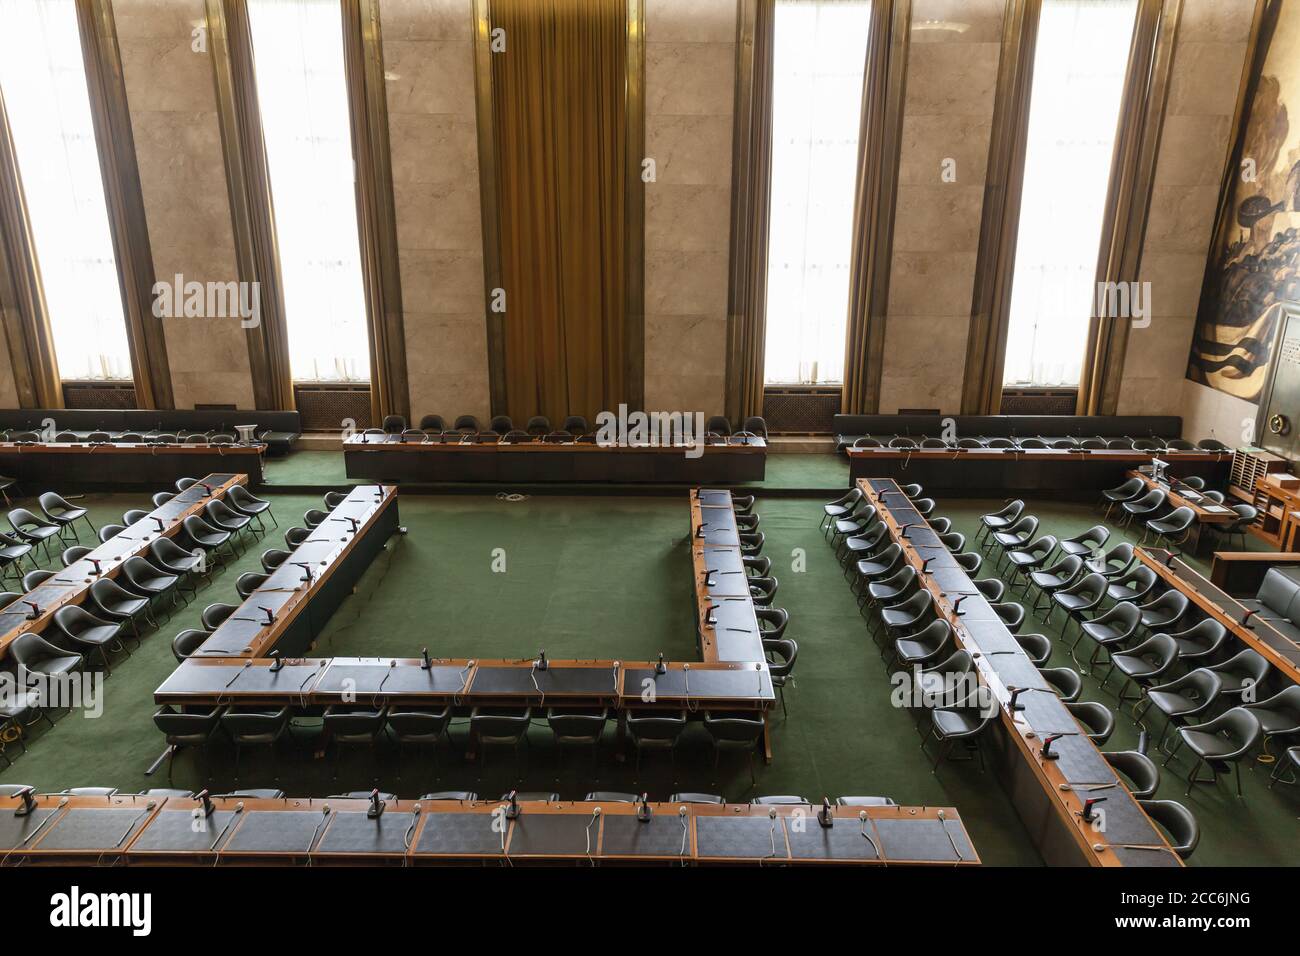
609,577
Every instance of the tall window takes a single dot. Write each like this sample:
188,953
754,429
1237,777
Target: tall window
819,53
1078,82
302,95
43,78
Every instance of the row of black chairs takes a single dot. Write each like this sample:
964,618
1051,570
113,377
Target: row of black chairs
1037,442
540,425
1148,633
1151,506
125,438
905,621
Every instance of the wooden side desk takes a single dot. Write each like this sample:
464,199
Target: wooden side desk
1280,650
72,584
1048,794
390,458
1207,513
115,464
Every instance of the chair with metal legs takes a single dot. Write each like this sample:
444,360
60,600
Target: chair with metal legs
1221,742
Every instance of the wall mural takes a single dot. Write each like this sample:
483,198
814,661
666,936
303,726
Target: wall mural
1255,258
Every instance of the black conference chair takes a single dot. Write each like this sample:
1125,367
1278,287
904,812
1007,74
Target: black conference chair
1173,529
1109,630
214,614
1200,642
575,425
1079,599
248,582
433,423
109,531
1144,663
63,514
112,602
1279,715
781,653
704,798
1001,519
82,629
34,579
1246,516
499,727
1165,611
1147,506
12,552
419,727
655,730
161,498
1127,491
772,622
273,558
992,588
1135,586
1241,674
1139,771
1066,683
353,725
1097,720
394,424
201,535
135,514
1049,580
1177,821
538,425
578,728
254,728
739,731
32,529
187,642
73,554
1186,698
1029,558
1113,563
296,536
170,557
1221,742
186,729
37,655
1037,646
142,578
246,503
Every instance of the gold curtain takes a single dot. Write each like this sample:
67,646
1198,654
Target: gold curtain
986,343
22,297
879,140
125,202
560,124
249,187
1128,200
751,176
376,218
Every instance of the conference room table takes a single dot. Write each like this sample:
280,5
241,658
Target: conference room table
177,831
395,458
259,656
71,584
1048,793
125,464
1278,648
727,628
1207,512
998,471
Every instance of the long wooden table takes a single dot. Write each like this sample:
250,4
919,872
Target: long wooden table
114,464
1057,470
1279,649
1048,794
72,584
391,458
234,665
139,830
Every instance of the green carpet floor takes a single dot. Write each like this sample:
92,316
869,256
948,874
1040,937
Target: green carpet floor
607,577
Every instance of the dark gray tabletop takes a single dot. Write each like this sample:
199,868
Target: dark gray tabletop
277,831
94,828
185,831
748,837
14,830
461,834
699,683
352,831
661,836
934,841
554,834
378,677
556,679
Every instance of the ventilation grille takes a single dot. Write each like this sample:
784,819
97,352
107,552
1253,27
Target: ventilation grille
1039,401
800,411
329,408
98,395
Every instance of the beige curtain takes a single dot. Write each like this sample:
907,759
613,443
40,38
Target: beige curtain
883,88
376,218
22,298
249,188
126,219
560,124
986,343
751,174
1142,113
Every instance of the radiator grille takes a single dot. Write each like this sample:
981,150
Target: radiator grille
328,408
800,411
99,395
1039,401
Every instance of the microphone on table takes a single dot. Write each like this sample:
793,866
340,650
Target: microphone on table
708,579
660,667
96,562
1244,622
1015,694
376,806
512,811
643,811
36,610
1087,813
1046,751
956,604
925,565
207,489
825,816
206,799
161,527
541,663
424,659
306,568
277,662
270,616
709,619
25,794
